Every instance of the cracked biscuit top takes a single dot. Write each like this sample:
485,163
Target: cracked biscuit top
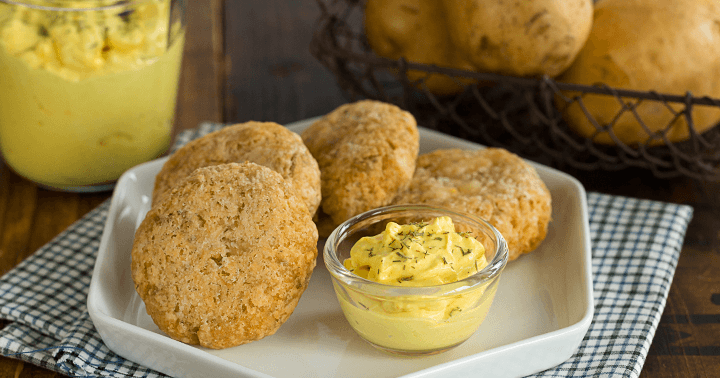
366,152
223,259
265,143
493,184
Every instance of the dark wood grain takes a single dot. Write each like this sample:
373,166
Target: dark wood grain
273,77
250,61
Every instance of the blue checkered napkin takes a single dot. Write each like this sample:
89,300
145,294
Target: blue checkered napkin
635,249
636,245
45,296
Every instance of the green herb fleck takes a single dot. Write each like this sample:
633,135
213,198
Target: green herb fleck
419,225
417,234
453,311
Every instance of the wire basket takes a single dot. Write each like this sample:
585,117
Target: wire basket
519,114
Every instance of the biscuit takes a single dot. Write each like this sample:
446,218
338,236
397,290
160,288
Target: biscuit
223,259
264,143
366,152
492,184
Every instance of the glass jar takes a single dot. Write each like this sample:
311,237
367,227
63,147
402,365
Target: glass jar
87,87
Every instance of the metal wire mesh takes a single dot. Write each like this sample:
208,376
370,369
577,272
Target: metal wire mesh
519,114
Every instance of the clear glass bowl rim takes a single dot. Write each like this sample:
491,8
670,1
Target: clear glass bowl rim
487,274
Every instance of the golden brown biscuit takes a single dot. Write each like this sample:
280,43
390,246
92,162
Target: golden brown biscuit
492,184
265,143
224,258
366,152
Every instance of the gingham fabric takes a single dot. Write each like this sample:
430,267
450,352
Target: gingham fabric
636,245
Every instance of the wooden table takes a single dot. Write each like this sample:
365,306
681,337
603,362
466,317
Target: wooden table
250,61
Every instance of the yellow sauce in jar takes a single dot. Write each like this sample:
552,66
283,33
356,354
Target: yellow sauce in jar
419,254
85,95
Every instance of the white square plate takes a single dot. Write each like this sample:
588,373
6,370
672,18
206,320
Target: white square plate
541,312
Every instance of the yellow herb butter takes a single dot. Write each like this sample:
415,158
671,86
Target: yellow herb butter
86,94
419,254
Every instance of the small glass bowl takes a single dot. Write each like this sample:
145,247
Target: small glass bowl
414,320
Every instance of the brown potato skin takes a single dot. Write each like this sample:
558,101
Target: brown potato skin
415,30
668,46
519,38
528,38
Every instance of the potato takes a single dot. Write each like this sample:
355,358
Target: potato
669,46
520,38
417,31
528,38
